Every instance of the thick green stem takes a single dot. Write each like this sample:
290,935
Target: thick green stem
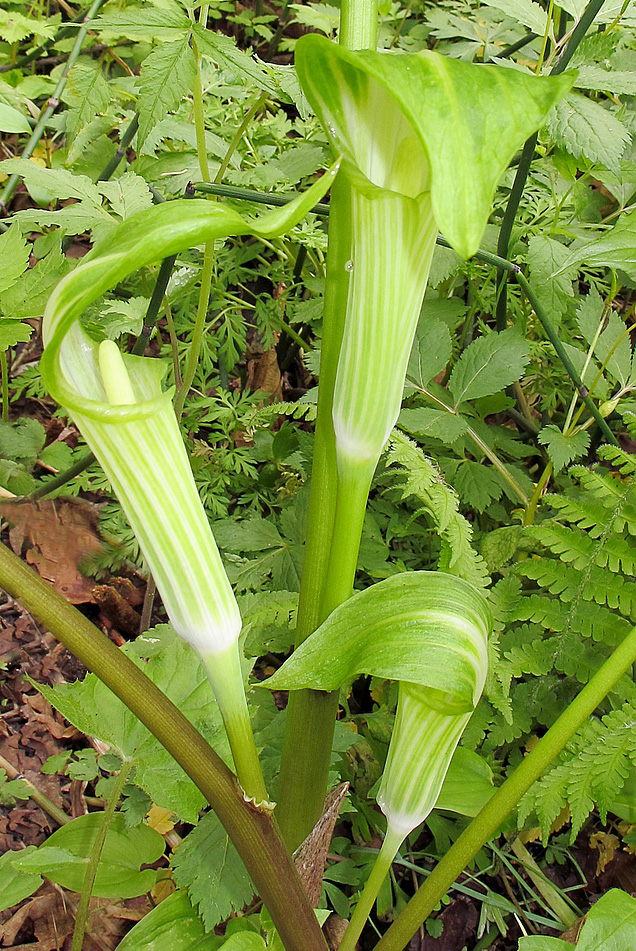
224,672
93,859
485,825
4,375
359,24
311,713
252,830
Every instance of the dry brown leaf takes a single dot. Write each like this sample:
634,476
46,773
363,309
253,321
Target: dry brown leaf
607,844
59,535
311,856
263,374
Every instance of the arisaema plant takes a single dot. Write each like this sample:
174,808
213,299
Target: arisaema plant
118,404
424,140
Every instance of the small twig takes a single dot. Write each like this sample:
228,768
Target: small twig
149,600
34,793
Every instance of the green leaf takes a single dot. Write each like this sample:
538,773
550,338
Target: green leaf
55,182
127,194
13,121
610,924
524,11
469,121
423,627
543,944
223,51
220,884
94,709
615,248
439,423
432,349
14,253
141,23
28,296
12,332
544,256
488,365
63,859
173,925
468,784
14,883
477,485
87,95
23,439
563,449
166,76
585,128
615,81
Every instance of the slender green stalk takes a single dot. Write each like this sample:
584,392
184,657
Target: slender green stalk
488,821
4,375
527,155
126,139
379,872
53,102
259,101
359,24
34,793
253,830
67,476
224,673
81,917
261,198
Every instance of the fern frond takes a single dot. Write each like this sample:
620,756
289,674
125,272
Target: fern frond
603,586
421,478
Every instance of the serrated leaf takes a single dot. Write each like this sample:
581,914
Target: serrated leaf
166,76
488,365
29,295
438,423
13,121
404,628
220,884
223,51
615,248
144,23
563,449
14,254
127,194
173,925
545,255
432,349
57,182
64,857
88,135
12,332
524,11
87,95
477,485
94,709
615,81
584,128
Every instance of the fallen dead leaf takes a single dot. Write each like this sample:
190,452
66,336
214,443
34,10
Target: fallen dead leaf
59,535
607,844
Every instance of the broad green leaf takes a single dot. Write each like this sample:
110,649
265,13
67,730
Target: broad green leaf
173,925
167,75
14,253
220,884
87,95
439,423
423,627
614,81
563,449
13,121
12,332
56,182
64,857
476,484
223,51
15,884
524,11
432,349
544,256
15,26
95,710
127,194
28,296
140,23
615,248
488,365
585,128
468,784
469,120
543,944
